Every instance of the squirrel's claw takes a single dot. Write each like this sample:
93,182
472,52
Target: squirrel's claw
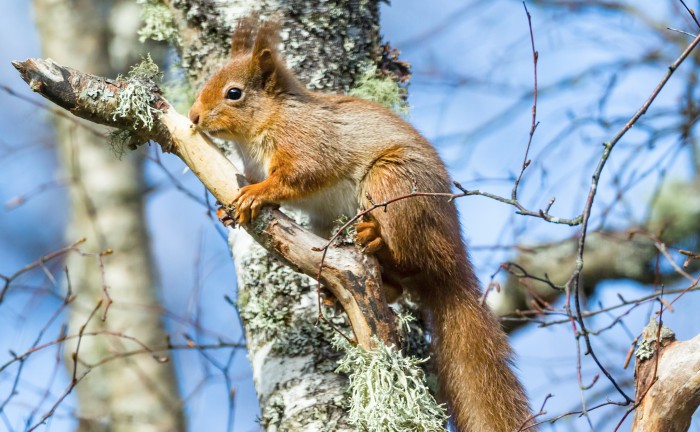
224,217
247,204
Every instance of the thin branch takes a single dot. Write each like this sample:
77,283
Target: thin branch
681,32
692,13
608,147
535,58
40,262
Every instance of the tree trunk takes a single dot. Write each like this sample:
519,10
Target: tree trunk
106,198
294,369
328,44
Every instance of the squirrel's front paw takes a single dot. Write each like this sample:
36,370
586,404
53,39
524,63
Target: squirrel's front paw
369,236
248,203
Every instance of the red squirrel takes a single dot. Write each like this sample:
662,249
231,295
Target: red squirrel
326,155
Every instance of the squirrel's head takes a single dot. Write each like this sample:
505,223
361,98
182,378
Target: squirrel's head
236,103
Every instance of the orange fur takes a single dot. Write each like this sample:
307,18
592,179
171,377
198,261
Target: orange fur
325,154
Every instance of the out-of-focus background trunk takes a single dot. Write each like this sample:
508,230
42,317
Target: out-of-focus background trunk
134,393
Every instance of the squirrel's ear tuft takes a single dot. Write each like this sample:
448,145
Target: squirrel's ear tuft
244,36
267,37
267,67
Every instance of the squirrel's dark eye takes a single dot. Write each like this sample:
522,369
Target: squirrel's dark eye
234,93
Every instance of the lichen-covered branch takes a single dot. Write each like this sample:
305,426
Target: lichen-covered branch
350,275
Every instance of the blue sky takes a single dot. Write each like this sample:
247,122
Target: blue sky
446,42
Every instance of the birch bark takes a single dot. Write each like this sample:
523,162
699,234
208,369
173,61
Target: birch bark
328,44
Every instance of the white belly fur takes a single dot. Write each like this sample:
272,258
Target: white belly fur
324,208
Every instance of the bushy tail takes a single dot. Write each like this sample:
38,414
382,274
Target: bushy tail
423,245
473,360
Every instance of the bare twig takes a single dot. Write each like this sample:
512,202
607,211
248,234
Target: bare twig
608,146
535,58
40,262
692,13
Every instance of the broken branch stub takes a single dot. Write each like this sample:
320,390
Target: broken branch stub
667,381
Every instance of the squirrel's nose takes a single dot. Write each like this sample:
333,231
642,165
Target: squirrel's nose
194,116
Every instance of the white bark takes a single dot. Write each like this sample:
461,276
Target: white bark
292,363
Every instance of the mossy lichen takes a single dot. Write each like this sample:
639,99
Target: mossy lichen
381,89
158,22
136,99
268,307
347,237
388,391
329,415
272,291
647,347
273,413
121,140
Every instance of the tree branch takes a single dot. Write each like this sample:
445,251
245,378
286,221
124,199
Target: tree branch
351,276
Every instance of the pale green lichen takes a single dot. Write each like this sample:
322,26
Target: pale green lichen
122,139
136,99
414,340
411,329
388,391
270,307
147,72
404,322
158,22
347,237
330,415
647,347
382,90
273,413
273,289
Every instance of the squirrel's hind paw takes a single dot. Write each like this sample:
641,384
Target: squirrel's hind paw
369,236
